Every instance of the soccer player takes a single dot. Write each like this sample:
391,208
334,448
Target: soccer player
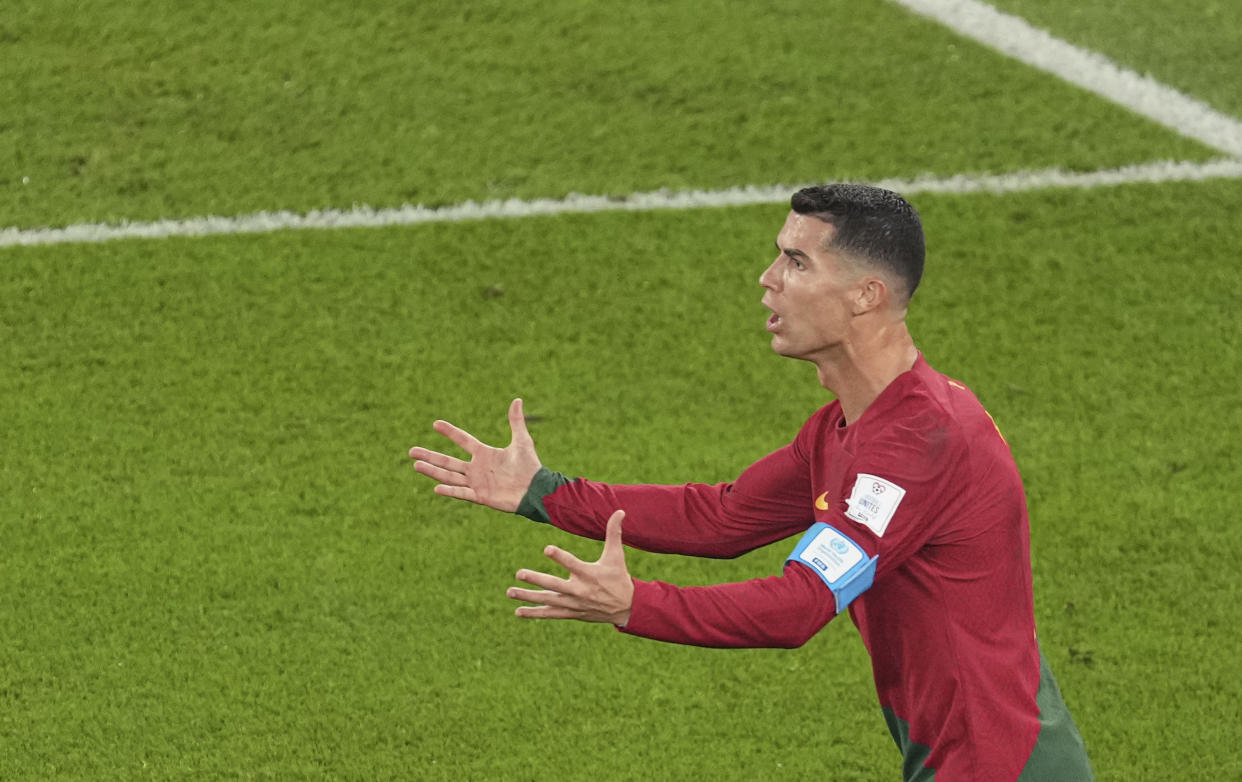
911,510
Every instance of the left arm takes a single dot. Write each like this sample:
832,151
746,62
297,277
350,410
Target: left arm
781,611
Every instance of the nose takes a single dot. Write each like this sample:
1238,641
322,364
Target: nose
769,277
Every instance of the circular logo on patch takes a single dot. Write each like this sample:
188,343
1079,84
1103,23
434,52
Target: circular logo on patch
878,488
839,547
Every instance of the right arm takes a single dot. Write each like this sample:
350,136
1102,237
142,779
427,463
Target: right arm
769,501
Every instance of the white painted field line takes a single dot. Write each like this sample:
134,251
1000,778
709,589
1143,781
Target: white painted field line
1141,94
367,217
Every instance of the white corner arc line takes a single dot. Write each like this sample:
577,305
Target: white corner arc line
1092,71
368,217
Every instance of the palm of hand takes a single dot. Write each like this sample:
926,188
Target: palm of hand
495,477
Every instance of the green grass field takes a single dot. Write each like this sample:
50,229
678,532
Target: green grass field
217,561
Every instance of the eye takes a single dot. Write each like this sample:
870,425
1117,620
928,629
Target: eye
797,263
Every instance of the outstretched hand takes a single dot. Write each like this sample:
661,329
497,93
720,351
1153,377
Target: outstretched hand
495,477
600,591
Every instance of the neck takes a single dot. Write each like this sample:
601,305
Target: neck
859,369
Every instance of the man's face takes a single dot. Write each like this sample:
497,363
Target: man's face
808,289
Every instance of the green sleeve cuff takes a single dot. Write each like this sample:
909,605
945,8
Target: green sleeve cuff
544,483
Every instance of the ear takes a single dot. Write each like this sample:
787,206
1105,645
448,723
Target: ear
871,294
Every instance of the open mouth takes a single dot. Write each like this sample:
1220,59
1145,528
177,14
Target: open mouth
774,321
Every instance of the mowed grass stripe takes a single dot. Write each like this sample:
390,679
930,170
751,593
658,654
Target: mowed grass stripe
1144,95
1190,45
368,217
219,563
179,113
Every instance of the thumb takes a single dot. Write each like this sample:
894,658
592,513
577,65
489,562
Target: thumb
613,550
517,423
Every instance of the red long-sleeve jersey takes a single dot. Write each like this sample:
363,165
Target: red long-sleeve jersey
923,494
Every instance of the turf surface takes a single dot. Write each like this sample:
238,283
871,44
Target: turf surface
145,110
218,563
1188,44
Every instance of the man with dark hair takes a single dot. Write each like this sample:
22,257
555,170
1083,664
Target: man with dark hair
911,510
871,222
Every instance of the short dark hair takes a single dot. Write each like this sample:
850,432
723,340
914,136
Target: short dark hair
871,223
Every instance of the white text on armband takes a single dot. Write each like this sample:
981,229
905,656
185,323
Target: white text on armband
838,561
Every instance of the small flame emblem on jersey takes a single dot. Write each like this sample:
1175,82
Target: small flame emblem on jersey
821,502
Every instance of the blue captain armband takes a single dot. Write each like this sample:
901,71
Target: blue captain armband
838,561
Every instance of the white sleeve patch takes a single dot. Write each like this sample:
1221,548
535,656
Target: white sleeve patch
873,502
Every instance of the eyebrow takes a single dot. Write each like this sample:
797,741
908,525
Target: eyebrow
791,252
